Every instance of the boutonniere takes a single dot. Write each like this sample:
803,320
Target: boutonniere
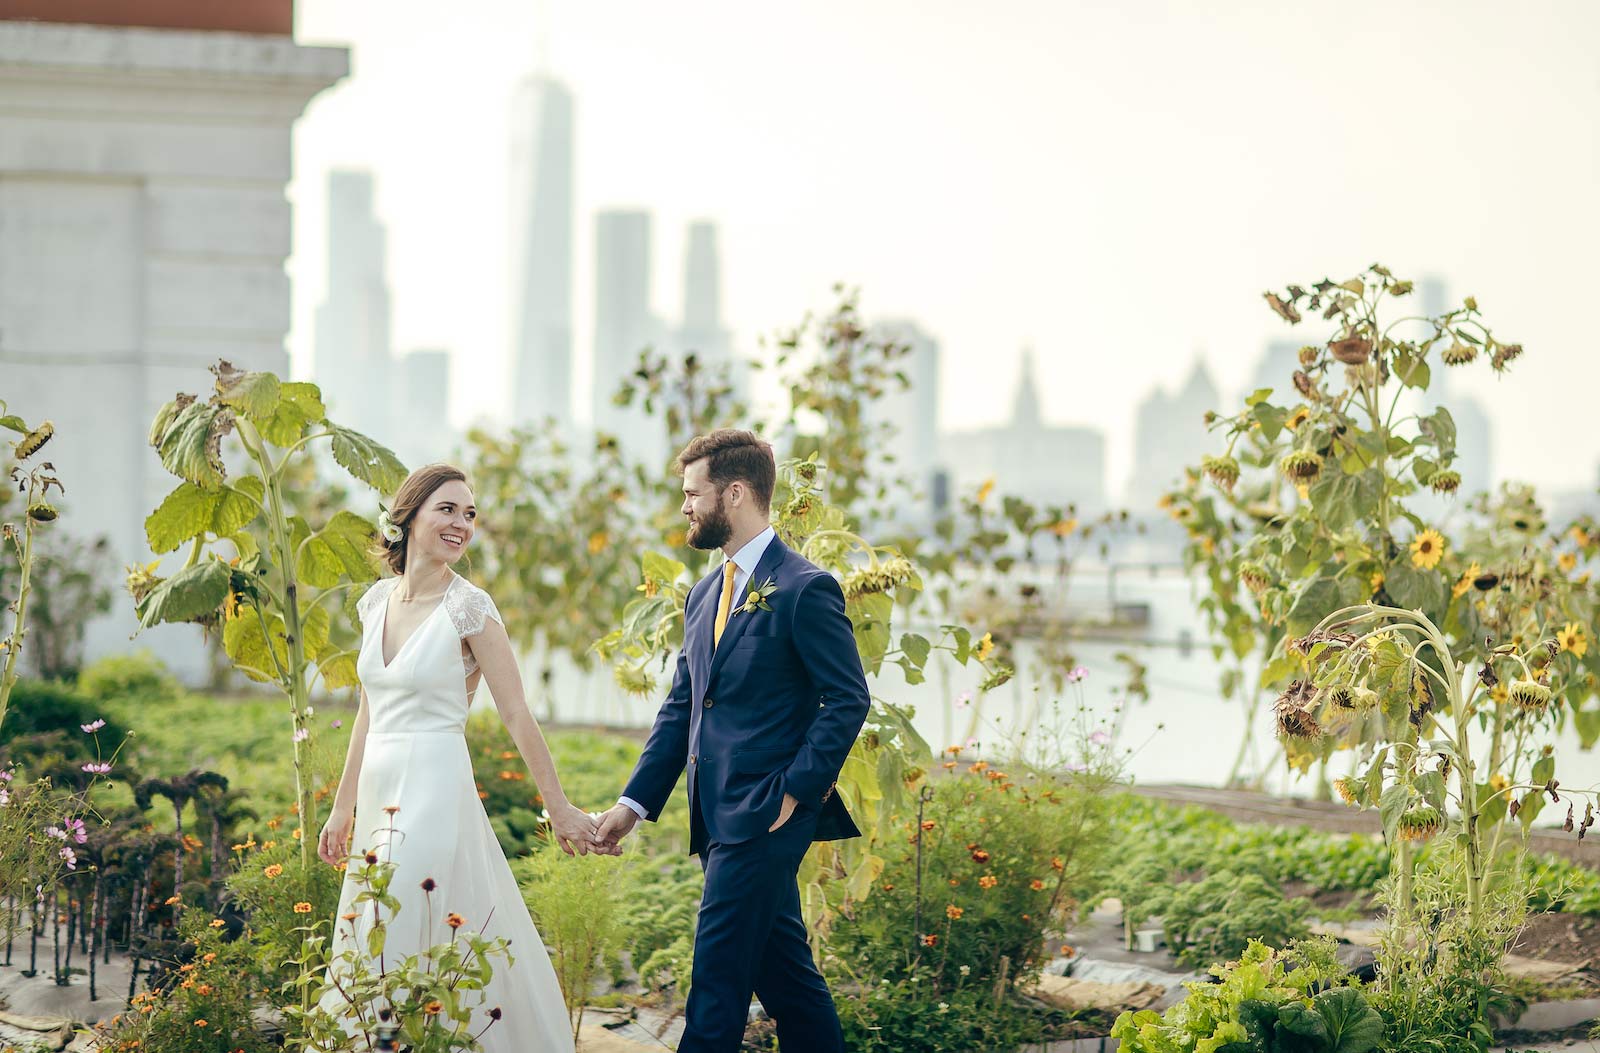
756,598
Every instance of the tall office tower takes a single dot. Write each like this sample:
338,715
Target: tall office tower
1474,426
422,432
623,327
541,251
702,331
353,363
913,413
1169,436
143,232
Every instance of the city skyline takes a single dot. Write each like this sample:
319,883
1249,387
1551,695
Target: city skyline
1048,193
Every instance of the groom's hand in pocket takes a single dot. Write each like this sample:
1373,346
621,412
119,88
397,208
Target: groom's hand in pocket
789,805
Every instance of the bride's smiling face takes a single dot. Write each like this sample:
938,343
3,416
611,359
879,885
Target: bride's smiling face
444,523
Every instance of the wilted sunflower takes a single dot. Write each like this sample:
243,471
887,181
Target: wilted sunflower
1529,695
1458,354
1427,549
1571,638
1308,356
43,512
1445,482
1301,467
1419,822
1224,470
1292,710
34,441
1348,789
1255,578
1352,350
1285,310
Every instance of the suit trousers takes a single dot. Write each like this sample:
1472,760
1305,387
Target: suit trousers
750,936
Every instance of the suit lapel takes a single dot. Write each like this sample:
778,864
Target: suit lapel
766,567
697,634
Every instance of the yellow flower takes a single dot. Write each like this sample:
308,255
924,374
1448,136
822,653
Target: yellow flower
1498,782
597,542
1300,415
1465,581
985,647
988,881
1567,561
985,490
1376,581
273,871
953,912
1427,549
302,908
1572,639
1579,536
1063,527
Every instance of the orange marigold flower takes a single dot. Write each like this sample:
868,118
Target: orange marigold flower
1057,863
173,901
204,989
948,765
1026,917
1066,949
217,923
888,886
297,833
1036,885
953,912
977,766
988,881
433,1008
928,824
302,908
455,921
187,984
200,1023
390,809
980,856
273,824
210,957
929,940
954,882
351,916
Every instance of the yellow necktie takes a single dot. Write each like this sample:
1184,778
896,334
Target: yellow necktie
729,569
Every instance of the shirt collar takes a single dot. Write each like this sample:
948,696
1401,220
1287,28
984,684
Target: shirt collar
748,556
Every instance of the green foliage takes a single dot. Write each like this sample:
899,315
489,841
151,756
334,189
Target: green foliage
1215,918
901,1016
256,568
435,997
201,1002
578,906
139,674
34,484
1262,1003
267,882
660,920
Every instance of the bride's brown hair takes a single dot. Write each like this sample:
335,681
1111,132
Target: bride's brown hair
417,488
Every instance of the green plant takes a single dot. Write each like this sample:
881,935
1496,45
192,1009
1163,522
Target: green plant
271,604
35,484
903,1016
1294,1001
578,906
139,673
434,997
1215,918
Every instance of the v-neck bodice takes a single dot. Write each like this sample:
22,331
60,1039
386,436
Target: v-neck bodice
423,687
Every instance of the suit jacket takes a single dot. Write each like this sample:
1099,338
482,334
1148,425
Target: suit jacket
773,709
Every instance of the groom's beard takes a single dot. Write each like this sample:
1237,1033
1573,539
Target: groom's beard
712,531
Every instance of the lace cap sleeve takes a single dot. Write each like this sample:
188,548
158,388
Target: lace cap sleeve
469,608
368,604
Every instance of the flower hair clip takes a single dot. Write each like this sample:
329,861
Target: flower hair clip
392,532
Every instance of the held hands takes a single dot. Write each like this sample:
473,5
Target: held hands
615,824
574,829
334,841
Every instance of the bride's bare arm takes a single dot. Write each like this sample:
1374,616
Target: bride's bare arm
573,827
335,839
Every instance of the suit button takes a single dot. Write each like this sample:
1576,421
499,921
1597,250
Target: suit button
708,703
691,758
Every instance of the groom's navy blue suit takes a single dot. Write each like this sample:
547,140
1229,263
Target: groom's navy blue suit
772,709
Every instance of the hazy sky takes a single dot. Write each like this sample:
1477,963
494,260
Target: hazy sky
1114,182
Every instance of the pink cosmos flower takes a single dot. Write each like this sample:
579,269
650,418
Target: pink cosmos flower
1099,738
75,828
1077,675
301,734
71,857
97,769
5,797
964,700
93,726
337,724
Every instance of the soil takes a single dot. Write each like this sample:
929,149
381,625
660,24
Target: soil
1560,937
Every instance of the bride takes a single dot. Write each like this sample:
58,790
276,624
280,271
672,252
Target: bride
428,638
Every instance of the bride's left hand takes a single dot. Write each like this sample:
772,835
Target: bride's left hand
574,828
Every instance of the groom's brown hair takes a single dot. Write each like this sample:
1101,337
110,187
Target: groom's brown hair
734,455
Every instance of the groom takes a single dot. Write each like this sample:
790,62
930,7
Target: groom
765,704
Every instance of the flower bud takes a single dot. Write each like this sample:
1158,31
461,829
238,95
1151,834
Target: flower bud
1445,482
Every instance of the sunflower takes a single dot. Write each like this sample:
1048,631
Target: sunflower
1427,549
1300,415
1464,583
1568,562
1572,639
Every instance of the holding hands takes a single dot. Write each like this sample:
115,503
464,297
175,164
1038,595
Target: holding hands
574,829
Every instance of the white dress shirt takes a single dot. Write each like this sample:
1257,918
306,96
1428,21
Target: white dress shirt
745,559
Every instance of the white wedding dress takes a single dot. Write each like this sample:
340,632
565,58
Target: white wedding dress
416,763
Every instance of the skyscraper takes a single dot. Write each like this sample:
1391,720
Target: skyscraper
1170,435
623,326
352,360
913,413
541,251
702,332
423,432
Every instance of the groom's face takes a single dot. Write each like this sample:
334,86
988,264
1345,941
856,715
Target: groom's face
709,527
